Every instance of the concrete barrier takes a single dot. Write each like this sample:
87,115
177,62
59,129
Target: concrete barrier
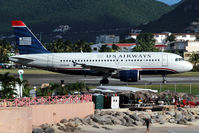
21,119
54,113
16,120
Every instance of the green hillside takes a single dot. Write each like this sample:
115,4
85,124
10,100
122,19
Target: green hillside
81,15
177,20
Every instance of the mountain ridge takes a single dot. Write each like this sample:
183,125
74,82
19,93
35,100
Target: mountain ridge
80,15
177,20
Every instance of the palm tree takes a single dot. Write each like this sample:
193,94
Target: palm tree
5,48
48,91
194,59
8,86
25,87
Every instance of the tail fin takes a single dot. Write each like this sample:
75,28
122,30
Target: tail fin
27,42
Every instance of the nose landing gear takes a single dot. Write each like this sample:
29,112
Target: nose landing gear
164,79
104,80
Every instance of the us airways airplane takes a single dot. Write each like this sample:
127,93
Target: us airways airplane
122,65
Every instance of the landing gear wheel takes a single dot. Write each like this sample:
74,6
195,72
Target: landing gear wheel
104,80
164,79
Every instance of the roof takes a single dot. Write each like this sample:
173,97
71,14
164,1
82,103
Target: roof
161,46
176,34
123,88
122,44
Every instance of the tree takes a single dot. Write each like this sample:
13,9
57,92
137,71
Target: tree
82,46
171,38
78,86
67,46
5,48
105,48
115,48
8,86
48,91
197,37
145,42
194,59
131,40
57,46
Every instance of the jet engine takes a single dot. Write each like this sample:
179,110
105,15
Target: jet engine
129,75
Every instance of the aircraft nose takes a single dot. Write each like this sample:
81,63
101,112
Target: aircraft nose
189,66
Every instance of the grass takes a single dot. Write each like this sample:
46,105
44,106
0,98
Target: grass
40,71
186,74
163,87
26,71
179,87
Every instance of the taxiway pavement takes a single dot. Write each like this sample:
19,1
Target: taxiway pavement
38,79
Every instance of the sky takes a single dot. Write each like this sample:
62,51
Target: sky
170,2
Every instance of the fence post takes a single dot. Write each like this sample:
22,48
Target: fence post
190,88
175,87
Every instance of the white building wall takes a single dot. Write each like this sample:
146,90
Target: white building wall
192,46
160,38
185,37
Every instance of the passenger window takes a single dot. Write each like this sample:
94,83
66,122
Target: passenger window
146,59
140,59
149,59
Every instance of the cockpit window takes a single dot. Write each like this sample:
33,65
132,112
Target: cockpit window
179,59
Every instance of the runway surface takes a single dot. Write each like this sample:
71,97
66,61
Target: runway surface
38,79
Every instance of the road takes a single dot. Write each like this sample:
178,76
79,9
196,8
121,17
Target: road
38,79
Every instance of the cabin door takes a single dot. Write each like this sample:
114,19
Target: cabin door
164,60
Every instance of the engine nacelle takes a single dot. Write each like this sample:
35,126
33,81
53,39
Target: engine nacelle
129,75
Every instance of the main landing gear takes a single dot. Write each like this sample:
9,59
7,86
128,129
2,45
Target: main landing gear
164,79
104,80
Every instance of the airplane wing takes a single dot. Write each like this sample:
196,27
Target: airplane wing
104,68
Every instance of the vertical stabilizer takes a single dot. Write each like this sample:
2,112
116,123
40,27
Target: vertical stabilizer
26,41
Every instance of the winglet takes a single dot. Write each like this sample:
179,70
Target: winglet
18,23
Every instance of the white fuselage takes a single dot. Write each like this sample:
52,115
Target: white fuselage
143,61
